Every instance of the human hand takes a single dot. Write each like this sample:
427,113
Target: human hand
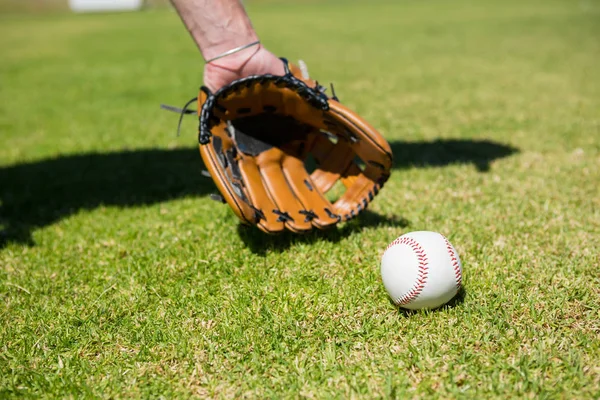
252,61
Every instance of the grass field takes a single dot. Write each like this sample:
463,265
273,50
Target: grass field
119,277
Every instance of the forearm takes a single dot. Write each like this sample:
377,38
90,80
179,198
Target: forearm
216,25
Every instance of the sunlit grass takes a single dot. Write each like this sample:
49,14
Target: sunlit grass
120,278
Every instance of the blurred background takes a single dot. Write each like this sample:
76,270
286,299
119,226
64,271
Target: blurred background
41,6
44,6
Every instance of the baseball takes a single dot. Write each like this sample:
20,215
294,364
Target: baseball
421,270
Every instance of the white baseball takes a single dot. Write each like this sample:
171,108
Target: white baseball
421,270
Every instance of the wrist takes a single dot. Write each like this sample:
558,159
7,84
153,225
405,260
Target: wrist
224,45
257,61
232,52
237,60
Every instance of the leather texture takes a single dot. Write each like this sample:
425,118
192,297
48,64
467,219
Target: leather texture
277,146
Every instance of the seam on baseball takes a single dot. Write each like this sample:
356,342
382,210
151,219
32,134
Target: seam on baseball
455,264
422,273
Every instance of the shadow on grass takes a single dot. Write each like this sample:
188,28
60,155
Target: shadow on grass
439,153
259,242
456,301
39,193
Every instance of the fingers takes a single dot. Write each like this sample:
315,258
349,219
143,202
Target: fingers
317,209
333,160
288,208
215,160
356,198
267,220
283,193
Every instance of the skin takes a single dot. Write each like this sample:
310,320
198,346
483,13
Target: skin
221,25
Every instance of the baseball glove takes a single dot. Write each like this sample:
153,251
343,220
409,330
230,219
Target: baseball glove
276,145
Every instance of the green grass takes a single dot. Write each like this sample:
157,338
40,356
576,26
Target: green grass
120,278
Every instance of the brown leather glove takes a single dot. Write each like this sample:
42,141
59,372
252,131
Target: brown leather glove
276,145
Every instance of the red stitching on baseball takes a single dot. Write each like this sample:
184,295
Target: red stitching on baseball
455,264
419,284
